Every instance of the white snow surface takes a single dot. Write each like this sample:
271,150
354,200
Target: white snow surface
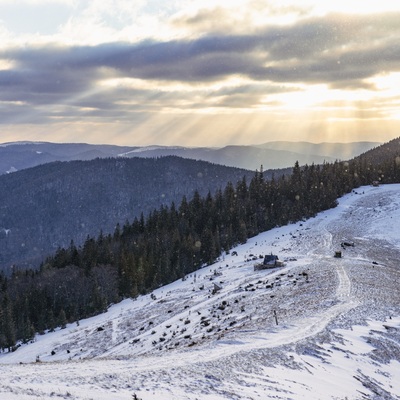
318,328
19,143
150,148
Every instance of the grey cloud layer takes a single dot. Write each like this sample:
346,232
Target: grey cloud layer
338,50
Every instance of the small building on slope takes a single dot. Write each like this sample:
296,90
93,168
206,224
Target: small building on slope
270,261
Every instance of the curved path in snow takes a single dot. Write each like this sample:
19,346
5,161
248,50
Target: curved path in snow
282,335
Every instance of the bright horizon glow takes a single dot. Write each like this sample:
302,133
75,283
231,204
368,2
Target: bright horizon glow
192,73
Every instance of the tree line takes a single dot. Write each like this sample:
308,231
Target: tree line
169,243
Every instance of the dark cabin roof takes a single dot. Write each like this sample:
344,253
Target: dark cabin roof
270,258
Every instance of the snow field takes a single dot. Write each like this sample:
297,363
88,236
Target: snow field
338,332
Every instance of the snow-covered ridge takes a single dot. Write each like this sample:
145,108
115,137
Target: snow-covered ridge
151,148
20,143
318,328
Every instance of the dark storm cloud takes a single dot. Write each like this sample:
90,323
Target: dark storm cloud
338,50
42,84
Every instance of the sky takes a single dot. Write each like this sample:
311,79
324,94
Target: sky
199,73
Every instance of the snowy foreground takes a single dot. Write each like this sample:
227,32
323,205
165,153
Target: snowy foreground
318,328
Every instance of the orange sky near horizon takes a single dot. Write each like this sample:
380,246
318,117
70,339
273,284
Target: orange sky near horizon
206,73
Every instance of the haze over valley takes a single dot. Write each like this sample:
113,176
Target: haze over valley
271,155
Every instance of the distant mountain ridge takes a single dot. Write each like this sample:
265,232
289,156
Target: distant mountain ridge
21,155
271,155
336,151
248,157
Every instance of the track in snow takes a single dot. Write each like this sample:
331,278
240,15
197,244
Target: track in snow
234,366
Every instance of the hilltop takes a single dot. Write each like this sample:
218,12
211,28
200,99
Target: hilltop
336,334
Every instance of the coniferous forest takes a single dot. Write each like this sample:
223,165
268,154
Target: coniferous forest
171,242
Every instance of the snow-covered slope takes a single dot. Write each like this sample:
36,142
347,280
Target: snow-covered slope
318,328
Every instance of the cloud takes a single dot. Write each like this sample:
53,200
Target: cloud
37,2
340,51
319,49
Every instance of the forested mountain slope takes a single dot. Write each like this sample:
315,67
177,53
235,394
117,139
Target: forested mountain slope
47,206
387,153
172,241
